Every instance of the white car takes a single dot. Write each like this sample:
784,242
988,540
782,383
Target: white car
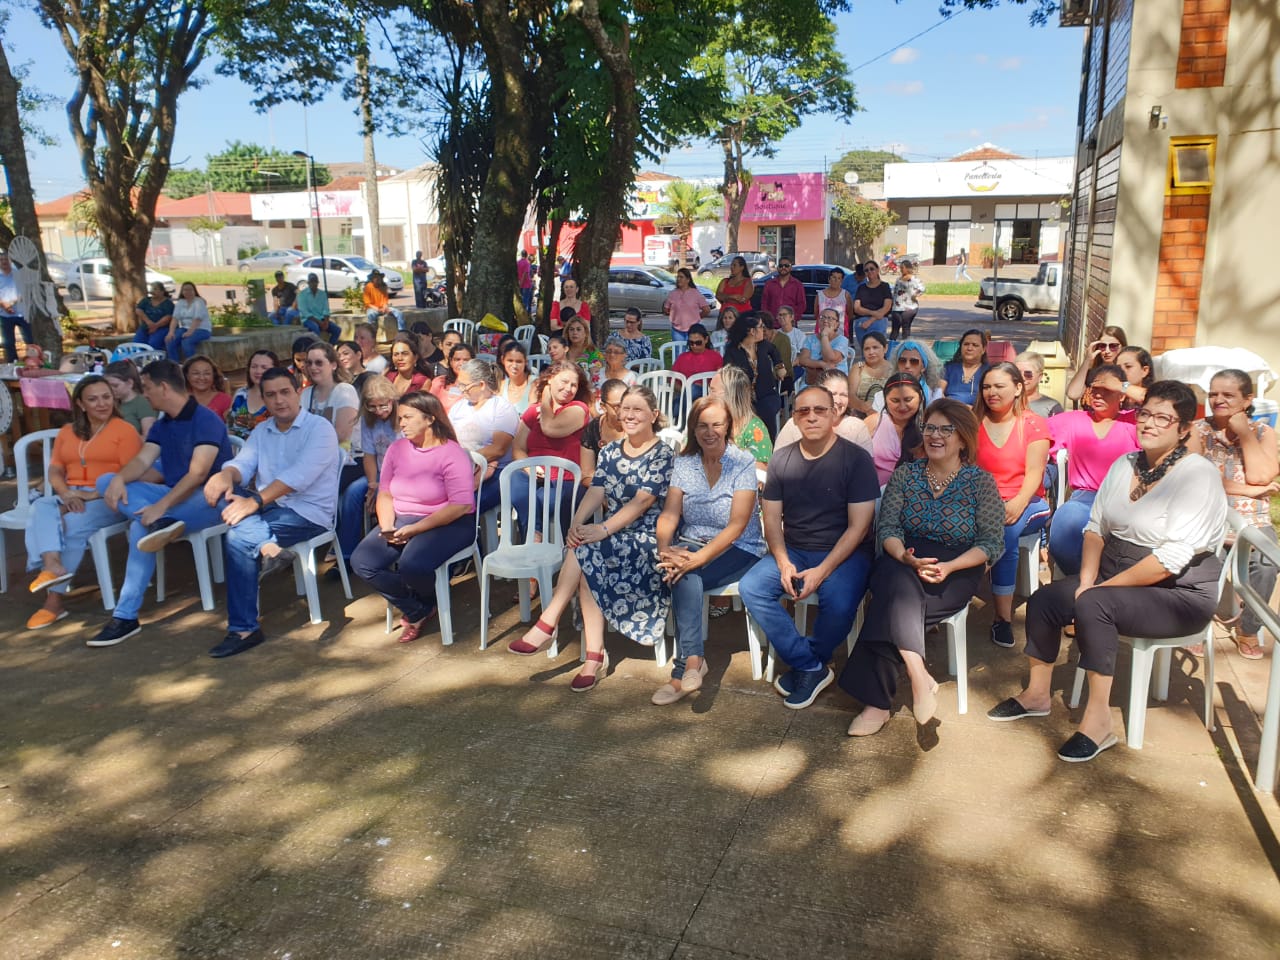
342,273
92,276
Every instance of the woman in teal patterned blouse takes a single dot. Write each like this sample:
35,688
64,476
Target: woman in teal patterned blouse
941,525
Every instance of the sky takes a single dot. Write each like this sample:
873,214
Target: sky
930,88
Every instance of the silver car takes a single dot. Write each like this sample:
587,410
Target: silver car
269,261
92,276
645,288
342,272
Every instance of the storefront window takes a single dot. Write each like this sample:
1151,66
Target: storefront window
767,237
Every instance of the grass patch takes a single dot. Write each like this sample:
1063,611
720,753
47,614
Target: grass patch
953,289
224,276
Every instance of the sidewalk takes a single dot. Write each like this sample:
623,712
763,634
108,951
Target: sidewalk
334,794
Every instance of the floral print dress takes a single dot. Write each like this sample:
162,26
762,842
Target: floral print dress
622,570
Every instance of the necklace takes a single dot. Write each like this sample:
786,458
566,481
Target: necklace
84,444
936,485
1148,477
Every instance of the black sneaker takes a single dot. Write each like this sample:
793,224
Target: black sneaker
809,683
1002,633
280,561
115,631
786,683
160,534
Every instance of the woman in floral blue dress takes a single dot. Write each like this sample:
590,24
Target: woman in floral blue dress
612,566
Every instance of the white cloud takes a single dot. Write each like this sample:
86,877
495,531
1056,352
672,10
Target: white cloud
905,55
909,89
1010,63
980,58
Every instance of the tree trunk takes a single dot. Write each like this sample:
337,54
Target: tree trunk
372,219
734,189
547,271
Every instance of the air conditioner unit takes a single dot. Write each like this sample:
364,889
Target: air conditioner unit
1074,13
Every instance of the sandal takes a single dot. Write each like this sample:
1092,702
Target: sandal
1248,646
411,631
582,683
524,648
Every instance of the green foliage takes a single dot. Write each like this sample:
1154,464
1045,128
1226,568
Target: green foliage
205,226
1041,10
867,164
864,220
181,184
251,168
353,300
83,215
686,204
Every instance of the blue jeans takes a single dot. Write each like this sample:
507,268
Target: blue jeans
526,298
686,601
351,515
284,316
520,502
154,340
1066,531
374,317
273,523
1005,570
184,347
406,576
11,324
420,290
838,599
193,511
51,531
332,336
679,336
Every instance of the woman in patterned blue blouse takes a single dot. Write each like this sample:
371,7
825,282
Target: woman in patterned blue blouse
711,503
941,525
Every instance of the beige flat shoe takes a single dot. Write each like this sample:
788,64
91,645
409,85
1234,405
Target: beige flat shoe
668,694
864,726
925,707
692,679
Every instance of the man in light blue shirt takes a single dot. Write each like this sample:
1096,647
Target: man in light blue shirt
11,312
280,489
313,308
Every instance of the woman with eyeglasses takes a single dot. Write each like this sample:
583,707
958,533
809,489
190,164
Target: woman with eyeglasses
445,388
1244,451
332,396
1150,567
207,384
874,301
639,346
734,291
685,305
603,429
731,386
1094,439
615,363
940,526
964,373
1013,446
1137,366
895,430
1106,349
825,349
485,423
915,358
699,358
753,354
1031,365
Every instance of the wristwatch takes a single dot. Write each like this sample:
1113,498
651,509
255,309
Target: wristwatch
257,498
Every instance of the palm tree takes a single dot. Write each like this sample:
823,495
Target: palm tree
686,204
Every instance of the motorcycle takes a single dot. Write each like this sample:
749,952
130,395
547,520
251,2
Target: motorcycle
890,263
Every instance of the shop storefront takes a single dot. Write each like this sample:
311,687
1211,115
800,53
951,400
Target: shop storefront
786,215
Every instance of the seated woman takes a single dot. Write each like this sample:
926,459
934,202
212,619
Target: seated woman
444,388
709,533
517,381
1031,365
1094,440
612,566
406,372
847,425
352,360
426,512
332,396
1106,349
375,431
485,423
122,376
1149,570
941,524
725,320
895,432
98,441
615,364
749,349
824,349
867,377
190,324
1244,452
206,383
154,314
964,373
582,349
551,427
731,385
557,348
633,337
248,409
603,429
1013,446
914,357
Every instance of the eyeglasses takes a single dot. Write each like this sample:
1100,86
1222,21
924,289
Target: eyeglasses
464,387
942,429
1029,375
805,411
316,362
784,266
1109,347
1161,420
697,343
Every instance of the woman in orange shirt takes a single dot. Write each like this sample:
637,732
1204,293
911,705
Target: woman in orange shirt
96,442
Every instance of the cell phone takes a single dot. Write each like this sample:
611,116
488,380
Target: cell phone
797,584
386,534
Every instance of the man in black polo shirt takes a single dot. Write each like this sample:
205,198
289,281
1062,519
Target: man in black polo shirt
819,508
284,294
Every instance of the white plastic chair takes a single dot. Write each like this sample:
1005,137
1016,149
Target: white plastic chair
1151,663
1249,539
644,365
465,327
695,387
305,578
544,341
668,352
673,437
524,335
1064,489
668,386
444,594
130,351
20,516
1028,576
102,561
519,555
537,361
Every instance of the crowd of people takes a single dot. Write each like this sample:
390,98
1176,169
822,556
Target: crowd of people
894,485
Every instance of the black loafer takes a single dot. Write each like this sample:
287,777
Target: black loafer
1080,749
233,643
1011,709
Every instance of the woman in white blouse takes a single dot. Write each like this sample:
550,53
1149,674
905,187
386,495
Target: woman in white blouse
332,396
1149,569
190,324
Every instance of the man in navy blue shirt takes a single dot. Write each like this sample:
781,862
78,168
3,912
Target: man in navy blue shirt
161,489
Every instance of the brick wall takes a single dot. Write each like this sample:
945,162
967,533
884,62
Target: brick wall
1202,49
1186,222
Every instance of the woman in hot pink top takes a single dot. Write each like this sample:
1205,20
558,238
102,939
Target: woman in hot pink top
1094,439
1013,446
426,505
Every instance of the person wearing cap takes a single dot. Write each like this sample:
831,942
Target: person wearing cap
313,308
284,294
377,302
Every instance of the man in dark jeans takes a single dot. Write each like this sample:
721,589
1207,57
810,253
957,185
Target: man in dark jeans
420,270
825,488
283,295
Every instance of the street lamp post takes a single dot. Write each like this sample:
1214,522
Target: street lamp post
315,213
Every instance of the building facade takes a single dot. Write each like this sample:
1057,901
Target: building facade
786,214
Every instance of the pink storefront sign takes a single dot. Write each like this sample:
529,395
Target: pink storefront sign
786,197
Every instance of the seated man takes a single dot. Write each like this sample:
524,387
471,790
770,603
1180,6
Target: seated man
159,489
284,294
825,489
280,489
377,302
313,308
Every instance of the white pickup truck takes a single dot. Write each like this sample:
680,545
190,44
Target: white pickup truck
1041,294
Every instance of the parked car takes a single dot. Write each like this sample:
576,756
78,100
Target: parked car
342,272
814,277
92,276
58,268
758,264
1041,294
270,261
645,288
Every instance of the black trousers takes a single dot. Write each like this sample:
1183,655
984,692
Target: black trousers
901,321
1174,607
902,607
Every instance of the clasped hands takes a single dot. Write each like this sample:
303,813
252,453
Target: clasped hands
586,533
928,569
